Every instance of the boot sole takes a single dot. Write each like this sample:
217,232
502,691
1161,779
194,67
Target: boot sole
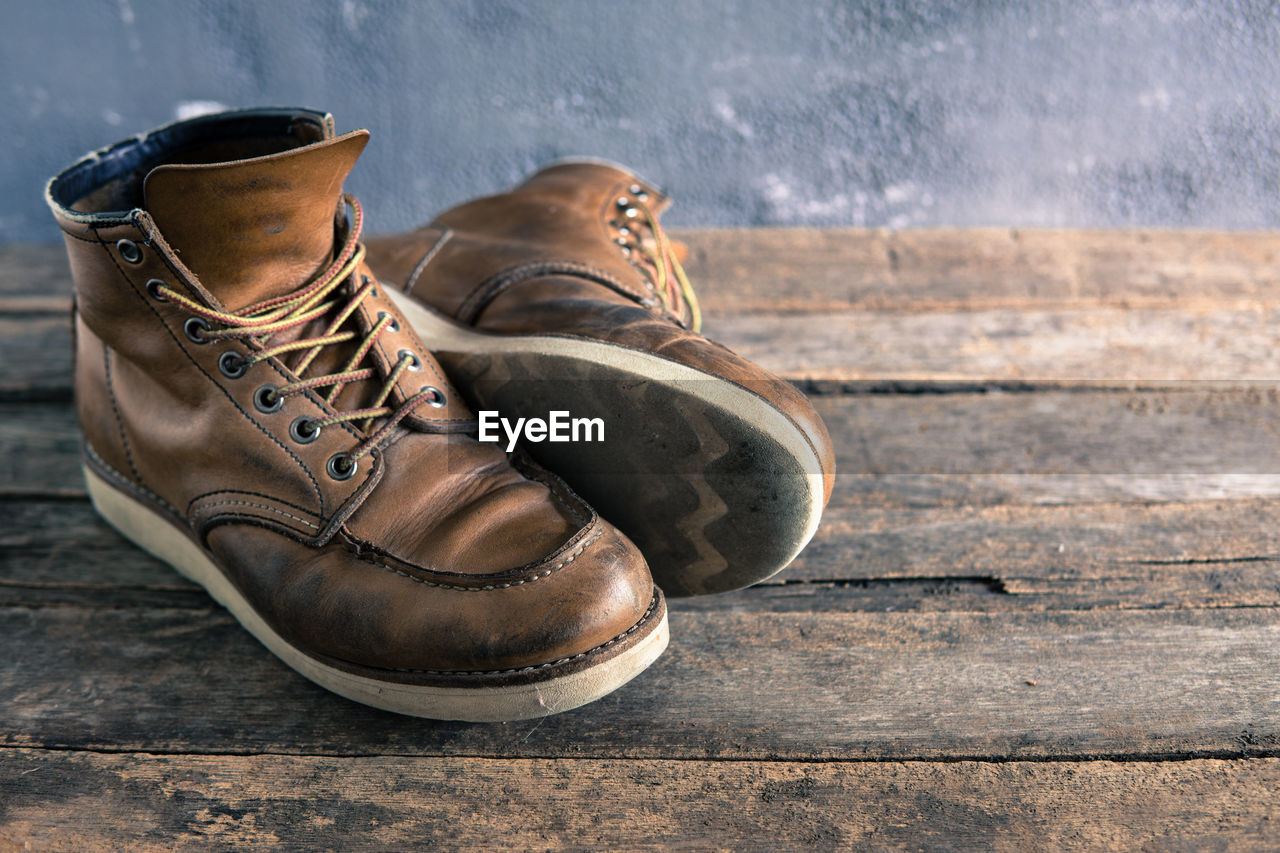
717,487
550,694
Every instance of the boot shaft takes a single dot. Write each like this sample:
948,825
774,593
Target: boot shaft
165,402
228,209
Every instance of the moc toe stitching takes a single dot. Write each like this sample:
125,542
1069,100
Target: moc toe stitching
506,584
648,614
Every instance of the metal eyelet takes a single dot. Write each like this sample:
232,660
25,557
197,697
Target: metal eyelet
623,202
635,189
267,399
393,325
232,365
129,251
631,213
624,230
621,241
341,467
153,286
303,430
365,281
436,398
415,363
194,328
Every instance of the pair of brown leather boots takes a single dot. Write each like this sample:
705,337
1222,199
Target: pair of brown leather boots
290,418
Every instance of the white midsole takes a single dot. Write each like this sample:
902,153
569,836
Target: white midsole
441,334
157,535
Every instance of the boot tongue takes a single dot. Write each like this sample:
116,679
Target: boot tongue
254,229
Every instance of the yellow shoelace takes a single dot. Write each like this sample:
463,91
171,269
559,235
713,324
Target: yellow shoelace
667,275
259,322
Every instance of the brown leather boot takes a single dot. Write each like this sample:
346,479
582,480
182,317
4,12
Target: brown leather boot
258,414
565,294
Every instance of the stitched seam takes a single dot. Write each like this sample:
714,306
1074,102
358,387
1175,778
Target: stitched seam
111,392
546,478
573,555
555,485
554,489
426,259
252,493
271,362
113,474
274,363
367,314
585,522
388,365
314,484
492,287
653,605
285,530
97,242
261,506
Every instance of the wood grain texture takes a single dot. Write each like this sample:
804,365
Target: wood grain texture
929,306
1003,558
1029,345
39,448
934,449
1041,609
76,800
1067,499
28,272
1068,347
1054,446
840,269
811,686
836,269
35,357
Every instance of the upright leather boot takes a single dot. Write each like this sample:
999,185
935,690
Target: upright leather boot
257,413
565,294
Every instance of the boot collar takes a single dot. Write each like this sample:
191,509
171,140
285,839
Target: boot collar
201,164
255,228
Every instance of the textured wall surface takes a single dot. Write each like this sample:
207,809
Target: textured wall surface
870,112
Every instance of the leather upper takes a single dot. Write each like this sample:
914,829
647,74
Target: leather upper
437,554
547,258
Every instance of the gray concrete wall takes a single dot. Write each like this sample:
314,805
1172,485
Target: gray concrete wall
868,112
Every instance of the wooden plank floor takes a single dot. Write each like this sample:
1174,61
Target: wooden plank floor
1043,608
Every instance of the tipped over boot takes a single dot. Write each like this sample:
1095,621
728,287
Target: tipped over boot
565,294
258,414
